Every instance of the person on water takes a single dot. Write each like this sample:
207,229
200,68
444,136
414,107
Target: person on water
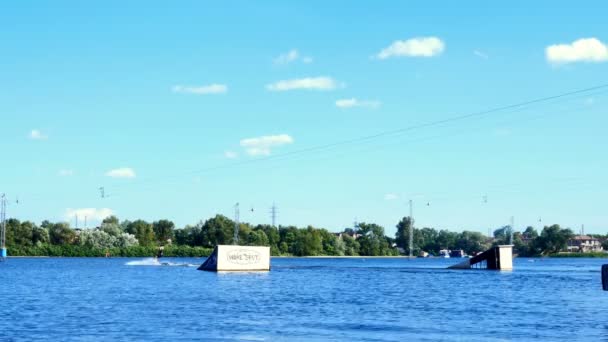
159,254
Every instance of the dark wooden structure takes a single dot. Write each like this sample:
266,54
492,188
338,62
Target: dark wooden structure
495,258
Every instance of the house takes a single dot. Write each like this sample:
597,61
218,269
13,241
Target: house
353,235
584,244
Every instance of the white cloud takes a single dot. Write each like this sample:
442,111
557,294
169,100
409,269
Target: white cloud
92,214
201,90
231,154
309,83
415,47
481,54
37,135
391,197
582,50
292,55
123,172
261,146
353,102
66,172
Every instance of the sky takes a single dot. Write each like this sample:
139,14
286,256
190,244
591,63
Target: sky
333,110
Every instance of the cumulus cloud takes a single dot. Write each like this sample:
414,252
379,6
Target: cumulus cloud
415,47
309,83
582,50
292,55
481,54
92,214
201,90
37,135
66,172
261,146
231,154
353,102
123,172
391,197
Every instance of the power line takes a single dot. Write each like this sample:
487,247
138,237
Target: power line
235,238
516,106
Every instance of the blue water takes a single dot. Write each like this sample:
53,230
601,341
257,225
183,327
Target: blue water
64,299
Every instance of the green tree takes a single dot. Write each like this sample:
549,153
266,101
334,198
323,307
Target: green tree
98,239
530,233
142,231
351,246
373,242
218,230
288,237
257,238
126,240
402,237
111,228
111,219
330,243
552,239
40,236
61,234
446,239
163,230
471,242
19,233
307,242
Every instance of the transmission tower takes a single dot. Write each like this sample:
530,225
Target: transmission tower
511,230
273,214
235,238
411,242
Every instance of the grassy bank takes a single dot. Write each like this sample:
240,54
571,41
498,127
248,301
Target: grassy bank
580,255
82,251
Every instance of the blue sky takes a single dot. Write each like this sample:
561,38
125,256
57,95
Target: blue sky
176,107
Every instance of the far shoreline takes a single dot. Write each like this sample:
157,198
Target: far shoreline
406,257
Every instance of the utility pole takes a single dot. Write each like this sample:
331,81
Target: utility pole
76,217
235,238
3,227
411,244
273,214
511,230
85,222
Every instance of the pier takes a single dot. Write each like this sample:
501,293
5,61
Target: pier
496,258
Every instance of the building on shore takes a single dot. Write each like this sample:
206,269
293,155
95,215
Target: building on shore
352,235
584,244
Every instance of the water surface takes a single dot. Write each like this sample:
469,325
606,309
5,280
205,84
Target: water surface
356,299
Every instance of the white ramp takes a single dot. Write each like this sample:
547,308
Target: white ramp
238,258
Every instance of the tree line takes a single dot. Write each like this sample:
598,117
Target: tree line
142,238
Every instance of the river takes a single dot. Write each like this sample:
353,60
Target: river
301,299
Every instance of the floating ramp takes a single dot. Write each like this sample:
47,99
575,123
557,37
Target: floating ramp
237,258
495,258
